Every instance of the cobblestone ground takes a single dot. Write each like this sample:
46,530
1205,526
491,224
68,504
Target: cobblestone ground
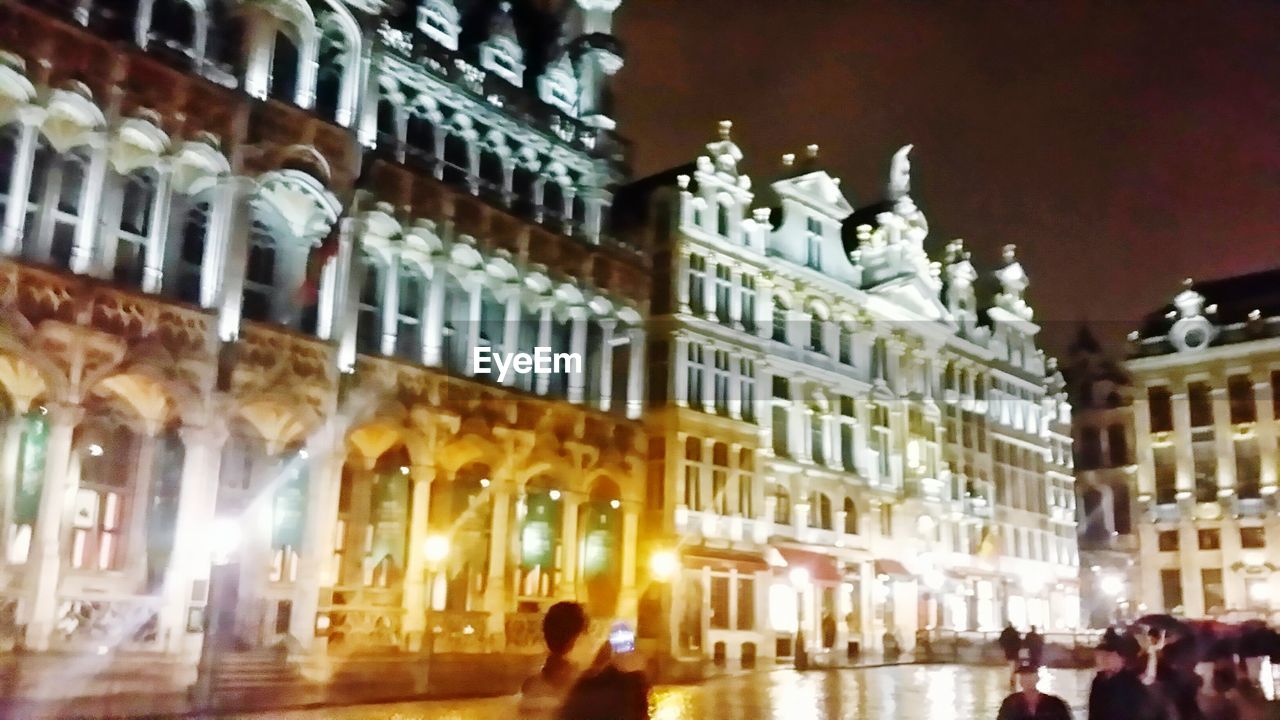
934,692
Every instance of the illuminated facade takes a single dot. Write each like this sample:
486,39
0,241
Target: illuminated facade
249,251
1206,378
840,440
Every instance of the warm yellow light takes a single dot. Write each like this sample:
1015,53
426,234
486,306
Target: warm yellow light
799,577
435,548
662,565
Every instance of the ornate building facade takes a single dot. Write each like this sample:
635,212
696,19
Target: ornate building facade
1206,383
844,447
250,251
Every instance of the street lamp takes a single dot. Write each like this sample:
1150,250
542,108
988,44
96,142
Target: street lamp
799,579
435,548
1111,585
662,565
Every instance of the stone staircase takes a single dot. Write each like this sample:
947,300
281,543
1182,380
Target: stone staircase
241,678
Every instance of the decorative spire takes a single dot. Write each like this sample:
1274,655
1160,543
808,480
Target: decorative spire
1013,283
899,174
726,129
724,154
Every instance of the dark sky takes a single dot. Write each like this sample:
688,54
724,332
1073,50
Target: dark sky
1122,145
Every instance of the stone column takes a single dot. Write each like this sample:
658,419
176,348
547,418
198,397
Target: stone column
140,507
578,348
90,206
326,454
44,562
682,280
1182,443
735,387
630,528
735,297
308,66
1265,430
1143,456
259,42
568,588
414,599
709,288
764,308
1224,441
605,401
495,593
542,383
635,374
342,292
193,524
511,329
390,314
153,272
433,332
14,430
234,220
15,213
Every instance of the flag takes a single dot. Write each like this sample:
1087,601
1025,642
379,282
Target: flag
309,292
988,547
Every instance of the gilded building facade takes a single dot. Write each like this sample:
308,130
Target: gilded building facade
845,448
1206,378
250,250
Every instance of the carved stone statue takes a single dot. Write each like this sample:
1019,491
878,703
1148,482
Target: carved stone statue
900,174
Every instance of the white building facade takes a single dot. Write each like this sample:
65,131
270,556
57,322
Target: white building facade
1206,378
841,442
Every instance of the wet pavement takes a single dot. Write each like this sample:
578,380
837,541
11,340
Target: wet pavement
905,692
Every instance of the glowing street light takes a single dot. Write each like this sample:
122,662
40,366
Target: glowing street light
225,540
662,565
1111,585
799,576
435,548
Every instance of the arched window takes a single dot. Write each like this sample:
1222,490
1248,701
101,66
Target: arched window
722,218
260,275
108,459
8,151
522,184
819,511
457,159
372,297
184,255
693,473
493,314
283,84
781,505
817,332
553,204
331,70
492,177
420,135
173,25
137,201
457,320
412,298
388,121
850,517
57,183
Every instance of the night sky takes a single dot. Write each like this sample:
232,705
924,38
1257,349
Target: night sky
1122,146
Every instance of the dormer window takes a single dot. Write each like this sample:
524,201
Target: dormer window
813,244
558,87
503,57
438,20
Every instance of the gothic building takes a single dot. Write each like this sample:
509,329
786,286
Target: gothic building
1206,397
250,250
845,446
1102,425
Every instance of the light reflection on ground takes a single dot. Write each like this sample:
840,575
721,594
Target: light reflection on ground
922,692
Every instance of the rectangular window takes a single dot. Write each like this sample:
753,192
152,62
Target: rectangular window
1248,468
1209,539
695,372
1166,474
719,602
1168,540
1214,599
817,439
886,520
1201,402
1275,393
747,390
724,287
1161,409
1240,392
748,303
781,418
1253,538
1171,588
697,283
746,603
1205,460
721,389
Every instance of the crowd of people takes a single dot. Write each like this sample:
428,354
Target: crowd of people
1157,669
